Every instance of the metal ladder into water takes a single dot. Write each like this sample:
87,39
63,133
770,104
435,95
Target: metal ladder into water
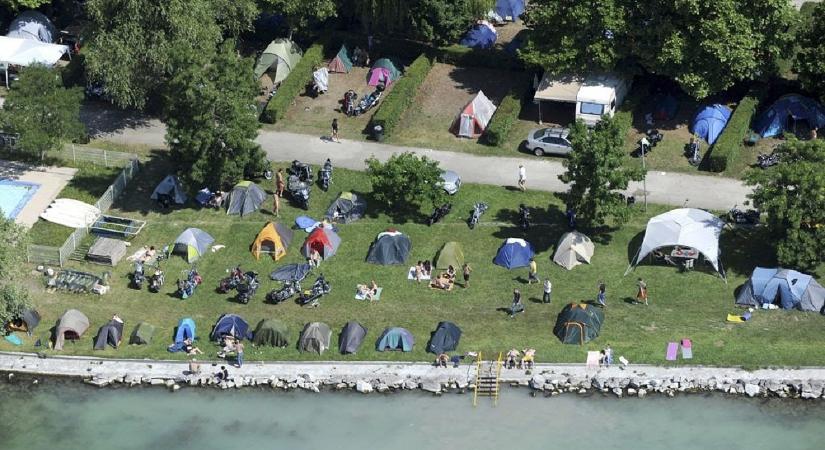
488,377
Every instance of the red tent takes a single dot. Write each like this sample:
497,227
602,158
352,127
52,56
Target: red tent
324,240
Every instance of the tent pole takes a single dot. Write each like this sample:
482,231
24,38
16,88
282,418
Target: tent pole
632,263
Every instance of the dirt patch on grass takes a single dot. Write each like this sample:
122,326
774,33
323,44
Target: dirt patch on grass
506,33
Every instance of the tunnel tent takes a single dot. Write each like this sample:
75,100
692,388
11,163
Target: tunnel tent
283,55
451,254
351,337
142,334
315,337
230,325
578,323
481,36
510,9
514,253
32,25
323,240
573,249
473,119
390,247
273,239
395,338
347,207
111,334
383,71
185,330
445,338
72,325
342,62
271,332
710,121
171,187
246,198
192,244
785,112
788,288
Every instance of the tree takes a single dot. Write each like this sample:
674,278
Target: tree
406,182
301,14
704,46
42,111
809,63
14,297
791,195
596,174
17,5
212,120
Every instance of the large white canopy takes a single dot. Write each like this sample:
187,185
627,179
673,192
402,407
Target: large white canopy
686,227
25,52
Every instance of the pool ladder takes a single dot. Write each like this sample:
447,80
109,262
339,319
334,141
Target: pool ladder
488,378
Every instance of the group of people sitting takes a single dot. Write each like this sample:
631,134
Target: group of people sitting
186,287
444,280
216,200
368,291
229,345
423,270
522,359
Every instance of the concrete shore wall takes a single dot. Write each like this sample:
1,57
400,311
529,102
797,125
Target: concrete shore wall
547,379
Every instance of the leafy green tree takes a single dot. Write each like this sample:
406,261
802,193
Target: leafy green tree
301,14
596,174
810,63
211,118
14,297
791,195
17,5
42,111
406,182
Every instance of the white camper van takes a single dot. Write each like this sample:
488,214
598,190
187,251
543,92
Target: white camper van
593,96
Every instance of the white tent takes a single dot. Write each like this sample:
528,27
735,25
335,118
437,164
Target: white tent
475,116
33,25
170,186
573,249
685,227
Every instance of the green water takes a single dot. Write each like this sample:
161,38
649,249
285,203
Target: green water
72,416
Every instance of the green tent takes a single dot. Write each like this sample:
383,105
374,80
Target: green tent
384,71
578,323
283,55
342,62
450,254
271,332
142,334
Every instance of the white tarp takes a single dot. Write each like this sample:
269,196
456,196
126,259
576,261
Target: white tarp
71,213
685,227
321,77
475,116
25,52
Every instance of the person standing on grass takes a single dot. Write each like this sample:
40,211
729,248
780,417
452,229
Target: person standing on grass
641,295
548,291
466,272
335,130
279,183
522,177
276,205
239,352
600,298
517,306
532,275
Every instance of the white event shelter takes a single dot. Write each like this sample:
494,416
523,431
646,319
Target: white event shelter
25,52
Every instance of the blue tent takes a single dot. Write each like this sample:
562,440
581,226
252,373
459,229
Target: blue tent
395,339
510,8
710,121
480,36
186,330
513,253
793,289
788,108
232,325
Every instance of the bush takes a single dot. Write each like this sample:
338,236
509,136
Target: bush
502,121
402,95
727,147
294,83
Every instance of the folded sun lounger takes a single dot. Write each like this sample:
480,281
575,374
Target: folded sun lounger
375,297
672,348
687,349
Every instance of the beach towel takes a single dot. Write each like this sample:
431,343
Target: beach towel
735,318
672,348
306,223
411,274
687,349
375,297
593,360
14,339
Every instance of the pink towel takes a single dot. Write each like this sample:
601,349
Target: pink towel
672,348
687,349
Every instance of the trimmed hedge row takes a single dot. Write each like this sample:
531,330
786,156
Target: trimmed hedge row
502,121
402,95
727,147
293,84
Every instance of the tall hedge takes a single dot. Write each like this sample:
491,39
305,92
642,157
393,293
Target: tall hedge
293,84
502,121
402,95
727,147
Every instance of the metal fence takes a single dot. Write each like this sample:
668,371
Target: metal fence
97,156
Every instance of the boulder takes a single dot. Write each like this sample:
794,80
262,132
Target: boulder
751,389
537,382
363,387
431,386
642,393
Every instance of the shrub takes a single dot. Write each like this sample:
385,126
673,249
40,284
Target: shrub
402,95
727,147
502,121
293,84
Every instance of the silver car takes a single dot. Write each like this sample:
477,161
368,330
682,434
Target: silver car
553,141
450,181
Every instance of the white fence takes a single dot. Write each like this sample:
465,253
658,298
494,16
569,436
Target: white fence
97,156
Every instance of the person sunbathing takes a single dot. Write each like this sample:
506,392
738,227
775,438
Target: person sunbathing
441,283
441,360
512,357
228,346
366,292
528,358
190,349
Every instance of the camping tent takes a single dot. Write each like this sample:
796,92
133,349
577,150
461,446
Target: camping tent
142,334
324,240
230,325
170,186
192,244
111,333
26,321
792,290
473,119
273,239
450,254
510,9
185,330
352,335
342,62
246,198
290,272
710,121
383,72
315,338
578,323
514,253
282,54
348,207
271,332
787,110
482,35
445,338
664,106
685,227
395,338
72,325
573,249
389,247
32,25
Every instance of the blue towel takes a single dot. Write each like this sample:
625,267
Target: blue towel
14,339
306,223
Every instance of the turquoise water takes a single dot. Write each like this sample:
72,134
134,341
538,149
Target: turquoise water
14,195
73,416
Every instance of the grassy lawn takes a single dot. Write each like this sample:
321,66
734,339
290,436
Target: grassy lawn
690,305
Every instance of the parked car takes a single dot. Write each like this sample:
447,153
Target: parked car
552,141
451,182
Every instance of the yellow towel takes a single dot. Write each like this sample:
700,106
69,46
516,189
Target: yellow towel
735,318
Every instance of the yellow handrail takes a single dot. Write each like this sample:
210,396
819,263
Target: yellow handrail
478,379
498,377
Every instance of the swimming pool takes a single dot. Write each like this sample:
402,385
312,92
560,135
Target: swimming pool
14,195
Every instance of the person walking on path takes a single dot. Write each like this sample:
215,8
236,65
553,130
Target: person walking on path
548,291
335,131
239,352
522,177
532,275
279,183
641,295
466,270
600,298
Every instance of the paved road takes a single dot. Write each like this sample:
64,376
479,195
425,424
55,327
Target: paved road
674,189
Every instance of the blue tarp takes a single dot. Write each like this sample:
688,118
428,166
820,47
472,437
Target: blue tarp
186,330
203,196
480,36
514,253
395,339
710,121
776,119
511,8
290,272
230,324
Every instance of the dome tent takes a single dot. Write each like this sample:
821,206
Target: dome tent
271,332
573,249
482,35
282,54
383,71
451,254
72,325
787,110
192,244
710,121
323,240
170,186
351,337
142,334
32,25
514,253
246,198
273,239
315,338
185,330
111,333
346,208
389,247
789,288
510,9
395,338
578,323
445,338
230,325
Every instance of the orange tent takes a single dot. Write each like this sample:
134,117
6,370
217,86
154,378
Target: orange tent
273,239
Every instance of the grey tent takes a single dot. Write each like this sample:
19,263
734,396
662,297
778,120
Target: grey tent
111,334
32,25
27,321
72,325
450,254
290,272
315,338
283,55
192,244
389,247
445,338
351,338
171,188
348,207
142,334
395,338
789,288
271,332
246,198
573,249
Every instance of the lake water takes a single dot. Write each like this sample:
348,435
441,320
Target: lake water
65,415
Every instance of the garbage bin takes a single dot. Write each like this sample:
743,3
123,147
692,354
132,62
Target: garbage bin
378,133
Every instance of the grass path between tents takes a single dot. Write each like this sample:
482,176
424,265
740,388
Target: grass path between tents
683,305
